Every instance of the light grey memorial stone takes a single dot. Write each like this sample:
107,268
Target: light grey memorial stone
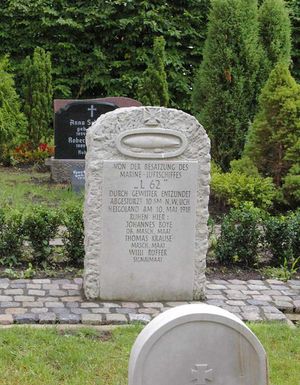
78,179
146,206
197,345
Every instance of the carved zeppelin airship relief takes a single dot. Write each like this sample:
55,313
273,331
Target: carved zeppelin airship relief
151,143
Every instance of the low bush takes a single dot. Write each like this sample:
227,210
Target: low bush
73,236
235,188
40,226
282,237
240,237
26,153
11,237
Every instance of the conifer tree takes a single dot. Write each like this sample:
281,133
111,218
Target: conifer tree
153,88
291,182
294,6
275,134
225,87
37,92
275,36
12,121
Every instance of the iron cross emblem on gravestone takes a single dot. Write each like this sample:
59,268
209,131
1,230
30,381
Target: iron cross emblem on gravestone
201,374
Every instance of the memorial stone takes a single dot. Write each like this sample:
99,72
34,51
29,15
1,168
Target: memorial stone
197,345
146,206
78,179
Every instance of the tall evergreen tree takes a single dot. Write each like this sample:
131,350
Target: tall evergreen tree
275,133
153,90
294,7
275,36
225,88
37,93
12,121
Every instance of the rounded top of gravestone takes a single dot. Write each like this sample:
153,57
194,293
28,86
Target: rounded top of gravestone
118,101
197,344
149,133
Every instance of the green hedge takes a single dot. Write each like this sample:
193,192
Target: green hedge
26,237
248,233
240,237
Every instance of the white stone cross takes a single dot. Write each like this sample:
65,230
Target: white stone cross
201,374
92,109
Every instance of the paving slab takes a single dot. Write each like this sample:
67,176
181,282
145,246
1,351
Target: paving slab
48,301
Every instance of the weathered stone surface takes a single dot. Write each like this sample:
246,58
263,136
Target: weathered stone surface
16,310
197,344
116,319
127,138
91,319
47,318
24,298
26,318
6,319
69,318
39,293
143,318
14,291
41,280
275,317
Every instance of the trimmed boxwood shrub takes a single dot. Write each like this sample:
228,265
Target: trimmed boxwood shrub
73,236
40,226
282,238
240,237
11,237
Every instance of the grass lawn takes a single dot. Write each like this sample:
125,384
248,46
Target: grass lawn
86,356
23,189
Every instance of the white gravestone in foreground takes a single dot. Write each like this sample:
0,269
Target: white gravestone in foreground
197,345
146,206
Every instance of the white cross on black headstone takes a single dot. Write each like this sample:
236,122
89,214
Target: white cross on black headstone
92,109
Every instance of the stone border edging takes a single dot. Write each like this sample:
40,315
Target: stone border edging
60,301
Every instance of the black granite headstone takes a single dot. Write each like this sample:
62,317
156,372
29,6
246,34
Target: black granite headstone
71,123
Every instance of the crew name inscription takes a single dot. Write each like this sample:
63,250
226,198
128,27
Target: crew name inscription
151,203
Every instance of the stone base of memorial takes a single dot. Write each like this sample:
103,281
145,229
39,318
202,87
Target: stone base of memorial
146,206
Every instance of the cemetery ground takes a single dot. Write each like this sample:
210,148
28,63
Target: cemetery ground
87,356
24,188
96,356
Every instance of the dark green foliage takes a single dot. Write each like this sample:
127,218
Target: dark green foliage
11,237
100,48
291,182
12,121
153,88
40,226
37,94
235,188
73,236
294,6
282,236
240,236
275,36
276,127
225,87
